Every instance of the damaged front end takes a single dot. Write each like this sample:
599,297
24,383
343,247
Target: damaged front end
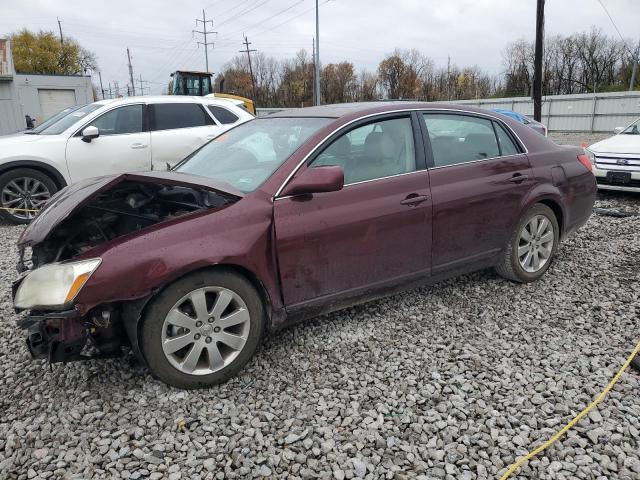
56,258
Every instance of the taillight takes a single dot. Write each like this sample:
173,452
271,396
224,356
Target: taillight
584,159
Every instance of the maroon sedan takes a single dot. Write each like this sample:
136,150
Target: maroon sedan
287,217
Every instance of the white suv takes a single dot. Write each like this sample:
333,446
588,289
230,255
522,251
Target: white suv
106,137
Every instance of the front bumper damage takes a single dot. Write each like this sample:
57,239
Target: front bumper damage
67,336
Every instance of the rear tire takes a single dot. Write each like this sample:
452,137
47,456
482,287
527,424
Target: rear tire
202,329
39,188
531,247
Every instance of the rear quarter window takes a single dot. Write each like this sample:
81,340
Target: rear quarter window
224,116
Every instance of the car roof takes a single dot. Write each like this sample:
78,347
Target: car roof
163,99
339,110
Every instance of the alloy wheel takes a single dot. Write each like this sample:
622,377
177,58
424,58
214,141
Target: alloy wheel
205,330
535,243
26,195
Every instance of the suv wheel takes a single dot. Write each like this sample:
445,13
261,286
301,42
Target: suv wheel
202,329
531,247
23,192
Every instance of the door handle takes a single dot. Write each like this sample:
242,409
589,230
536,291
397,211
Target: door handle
414,199
518,178
139,145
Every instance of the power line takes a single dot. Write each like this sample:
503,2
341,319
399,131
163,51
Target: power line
264,20
204,32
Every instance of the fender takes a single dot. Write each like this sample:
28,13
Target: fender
53,172
551,195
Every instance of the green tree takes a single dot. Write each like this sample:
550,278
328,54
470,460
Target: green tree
42,52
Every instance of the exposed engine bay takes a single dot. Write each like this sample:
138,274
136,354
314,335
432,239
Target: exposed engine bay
128,207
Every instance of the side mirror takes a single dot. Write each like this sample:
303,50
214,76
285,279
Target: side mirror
618,130
90,133
316,180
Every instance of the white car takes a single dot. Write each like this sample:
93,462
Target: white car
616,160
106,137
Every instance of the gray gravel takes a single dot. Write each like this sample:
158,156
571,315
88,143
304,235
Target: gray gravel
452,381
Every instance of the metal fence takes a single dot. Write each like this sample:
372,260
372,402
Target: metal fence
601,112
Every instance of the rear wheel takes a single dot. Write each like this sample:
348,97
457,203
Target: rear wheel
202,329
23,192
531,247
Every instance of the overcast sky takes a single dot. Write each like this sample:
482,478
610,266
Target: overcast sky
158,32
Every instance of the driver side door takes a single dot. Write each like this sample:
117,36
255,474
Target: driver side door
373,234
124,145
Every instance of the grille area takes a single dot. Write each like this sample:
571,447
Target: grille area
623,164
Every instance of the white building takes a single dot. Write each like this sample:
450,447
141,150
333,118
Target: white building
39,96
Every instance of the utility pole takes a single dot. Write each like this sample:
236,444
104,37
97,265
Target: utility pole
537,63
317,56
142,87
110,94
448,77
116,88
313,54
632,83
101,87
133,87
60,29
204,32
253,80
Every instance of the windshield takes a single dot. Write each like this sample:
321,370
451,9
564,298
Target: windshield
65,121
53,119
247,155
633,129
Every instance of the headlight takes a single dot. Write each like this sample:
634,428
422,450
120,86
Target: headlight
54,285
592,157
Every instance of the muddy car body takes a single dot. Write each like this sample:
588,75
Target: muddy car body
313,235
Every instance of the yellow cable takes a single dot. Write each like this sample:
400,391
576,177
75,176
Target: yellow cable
19,209
577,418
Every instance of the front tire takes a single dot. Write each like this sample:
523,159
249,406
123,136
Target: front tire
26,190
531,247
202,329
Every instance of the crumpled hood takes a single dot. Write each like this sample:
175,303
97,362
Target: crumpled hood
73,197
618,144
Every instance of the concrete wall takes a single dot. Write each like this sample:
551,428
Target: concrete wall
27,87
19,92
563,113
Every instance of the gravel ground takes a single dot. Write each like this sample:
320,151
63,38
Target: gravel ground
453,381
578,138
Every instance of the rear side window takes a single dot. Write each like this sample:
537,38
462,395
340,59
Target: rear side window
460,138
507,147
224,116
168,116
120,120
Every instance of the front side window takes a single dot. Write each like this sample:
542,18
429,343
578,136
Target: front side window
68,120
375,150
224,116
460,138
121,120
168,116
248,154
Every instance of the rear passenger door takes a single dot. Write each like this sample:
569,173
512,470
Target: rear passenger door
177,129
479,176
